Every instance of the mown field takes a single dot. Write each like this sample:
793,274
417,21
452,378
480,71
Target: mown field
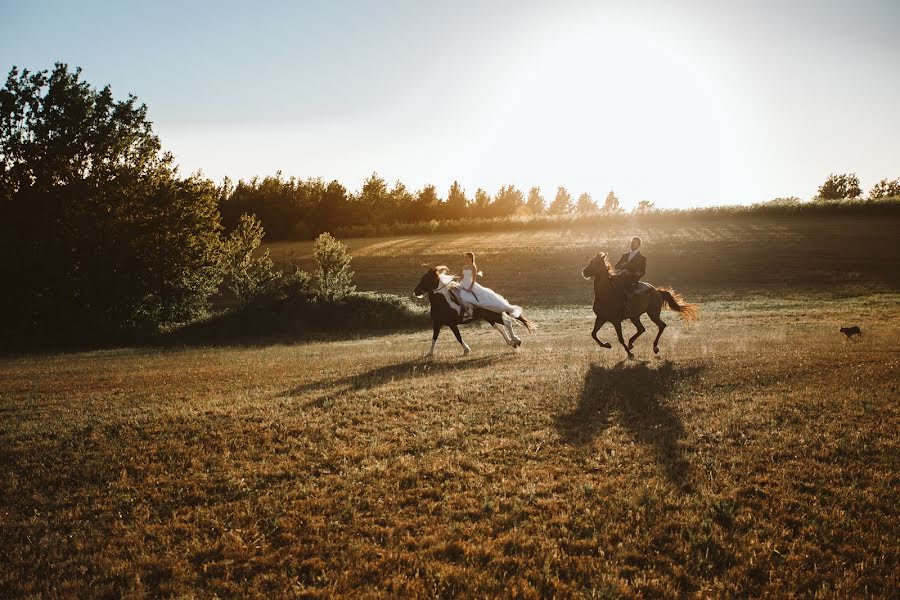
757,455
844,254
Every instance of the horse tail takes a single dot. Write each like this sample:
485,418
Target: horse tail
673,300
527,323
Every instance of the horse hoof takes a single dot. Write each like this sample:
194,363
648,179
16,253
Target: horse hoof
607,345
466,351
630,356
655,350
631,346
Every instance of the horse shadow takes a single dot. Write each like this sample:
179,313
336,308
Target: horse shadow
410,369
635,397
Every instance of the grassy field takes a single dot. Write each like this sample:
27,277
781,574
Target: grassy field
847,254
756,455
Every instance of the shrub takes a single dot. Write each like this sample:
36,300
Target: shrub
246,276
333,275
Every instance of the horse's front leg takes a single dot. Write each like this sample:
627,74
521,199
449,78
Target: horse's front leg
437,332
640,329
459,339
618,325
598,323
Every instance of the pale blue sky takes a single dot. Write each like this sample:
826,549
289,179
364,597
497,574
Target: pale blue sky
682,103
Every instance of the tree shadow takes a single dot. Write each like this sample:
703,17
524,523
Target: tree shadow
410,369
634,396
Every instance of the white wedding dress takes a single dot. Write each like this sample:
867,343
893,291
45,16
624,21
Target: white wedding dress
485,297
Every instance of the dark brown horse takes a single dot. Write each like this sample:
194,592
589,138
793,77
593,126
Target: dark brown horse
443,315
608,305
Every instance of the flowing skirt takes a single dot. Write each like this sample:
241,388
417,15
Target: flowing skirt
488,299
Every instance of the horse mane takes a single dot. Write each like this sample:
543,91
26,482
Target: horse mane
609,267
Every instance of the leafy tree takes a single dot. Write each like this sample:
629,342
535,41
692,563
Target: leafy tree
611,204
375,201
885,189
104,233
401,199
562,203
645,206
507,201
334,279
840,187
585,205
246,276
457,203
535,203
482,203
426,205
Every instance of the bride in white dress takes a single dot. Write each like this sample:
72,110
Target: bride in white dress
471,293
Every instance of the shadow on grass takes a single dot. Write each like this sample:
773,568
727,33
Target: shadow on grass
634,396
406,370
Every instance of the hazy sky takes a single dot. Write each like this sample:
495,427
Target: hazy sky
683,103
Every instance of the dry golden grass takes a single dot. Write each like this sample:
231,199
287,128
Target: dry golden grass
813,254
757,455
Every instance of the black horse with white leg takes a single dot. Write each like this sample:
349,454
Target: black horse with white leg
442,314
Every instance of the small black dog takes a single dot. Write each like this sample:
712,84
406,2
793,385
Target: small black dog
851,331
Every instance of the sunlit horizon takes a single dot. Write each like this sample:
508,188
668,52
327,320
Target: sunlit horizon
693,105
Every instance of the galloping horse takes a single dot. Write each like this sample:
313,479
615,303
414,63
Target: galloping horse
608,305
442,314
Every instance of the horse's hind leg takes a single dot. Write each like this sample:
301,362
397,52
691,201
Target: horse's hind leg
507,322
598,323
618,325
459,339
502,331
640,329
654,316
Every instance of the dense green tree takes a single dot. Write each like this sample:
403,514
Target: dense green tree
104,234
840,187
402,199
334,279
457,203
585,204
507,201
611,204
375,200
535,202
481,204
248,276
427,204
562,203
885,189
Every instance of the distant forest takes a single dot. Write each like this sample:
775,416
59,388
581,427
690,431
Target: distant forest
300,209
295,209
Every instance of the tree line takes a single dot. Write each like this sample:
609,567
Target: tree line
296,209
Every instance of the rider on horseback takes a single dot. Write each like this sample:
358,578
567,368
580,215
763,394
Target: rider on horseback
629,270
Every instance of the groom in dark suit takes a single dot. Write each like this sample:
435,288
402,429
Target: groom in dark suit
630,268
